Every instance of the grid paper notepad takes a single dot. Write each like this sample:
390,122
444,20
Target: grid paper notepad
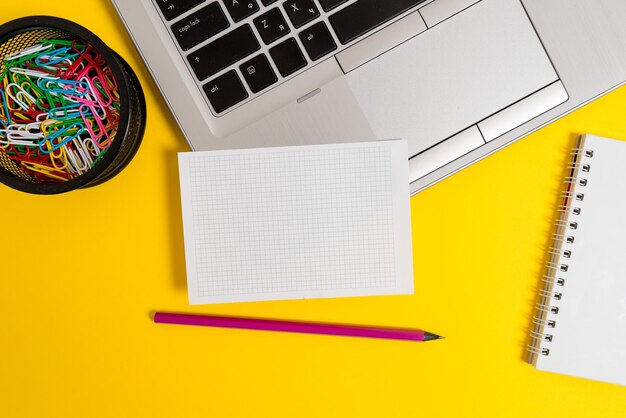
297,222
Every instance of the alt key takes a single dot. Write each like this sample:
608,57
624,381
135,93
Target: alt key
317,41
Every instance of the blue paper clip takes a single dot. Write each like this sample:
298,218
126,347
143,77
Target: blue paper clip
50,138
54,57
73,90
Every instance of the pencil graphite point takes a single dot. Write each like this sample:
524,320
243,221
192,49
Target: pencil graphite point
428,336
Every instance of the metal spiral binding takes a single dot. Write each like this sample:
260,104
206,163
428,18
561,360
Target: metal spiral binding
558,281
569,224
571,195
538,350
544,309
544,323
574,210
558,251
558,266
559,238
553,295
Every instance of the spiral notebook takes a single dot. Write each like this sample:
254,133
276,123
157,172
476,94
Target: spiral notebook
297,222
580,328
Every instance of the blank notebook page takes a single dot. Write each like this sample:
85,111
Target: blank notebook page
588,333
297,222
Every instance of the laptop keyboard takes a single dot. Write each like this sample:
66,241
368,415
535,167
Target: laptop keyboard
255,44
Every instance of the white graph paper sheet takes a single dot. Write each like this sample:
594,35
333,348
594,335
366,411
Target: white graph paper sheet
297,222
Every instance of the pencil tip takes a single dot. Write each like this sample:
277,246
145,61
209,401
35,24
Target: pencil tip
428,336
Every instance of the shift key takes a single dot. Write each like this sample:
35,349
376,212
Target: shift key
223,52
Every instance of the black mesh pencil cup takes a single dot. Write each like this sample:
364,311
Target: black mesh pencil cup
72,111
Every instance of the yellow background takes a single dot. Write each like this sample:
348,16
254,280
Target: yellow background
81,273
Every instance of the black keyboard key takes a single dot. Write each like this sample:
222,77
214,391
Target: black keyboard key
317,41
175,8
223,52
301,12
200,26
271,25
225,91
240,9
288,57
268,2
331,4
258,73
364,15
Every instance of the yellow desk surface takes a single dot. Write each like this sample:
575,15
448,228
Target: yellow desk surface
81,273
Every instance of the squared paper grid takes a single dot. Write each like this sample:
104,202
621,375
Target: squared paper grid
292,220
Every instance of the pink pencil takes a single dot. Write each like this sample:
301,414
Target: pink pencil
294,326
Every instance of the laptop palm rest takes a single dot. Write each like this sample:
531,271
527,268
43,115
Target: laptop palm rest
453,75
329,114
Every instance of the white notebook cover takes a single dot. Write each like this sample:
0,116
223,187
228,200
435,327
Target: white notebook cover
588,335
297,222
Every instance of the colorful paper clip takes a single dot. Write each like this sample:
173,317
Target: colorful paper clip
59,108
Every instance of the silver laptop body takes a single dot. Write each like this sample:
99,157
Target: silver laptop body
459,79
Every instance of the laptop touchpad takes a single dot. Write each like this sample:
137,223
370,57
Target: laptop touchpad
453,75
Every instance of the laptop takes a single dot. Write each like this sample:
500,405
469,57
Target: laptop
459,79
